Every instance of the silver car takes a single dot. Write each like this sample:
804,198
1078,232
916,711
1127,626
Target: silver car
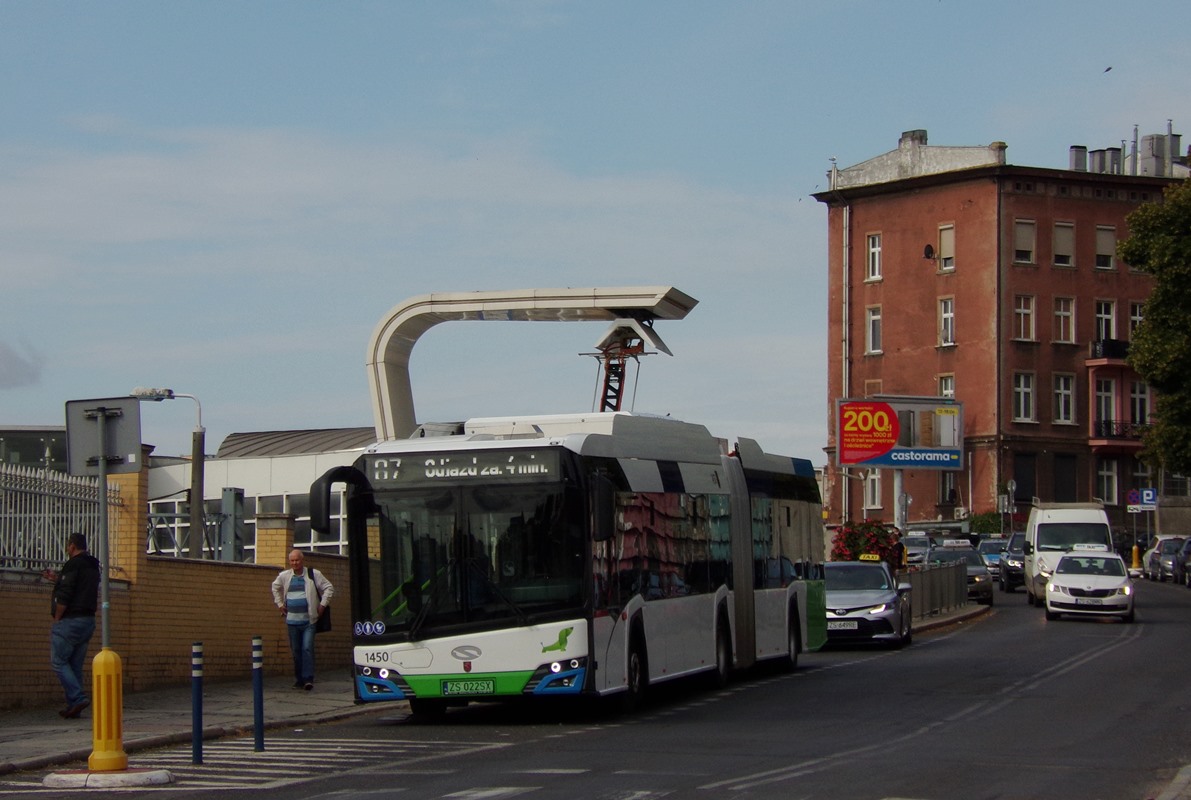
865,603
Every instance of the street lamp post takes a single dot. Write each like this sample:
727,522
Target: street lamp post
197,466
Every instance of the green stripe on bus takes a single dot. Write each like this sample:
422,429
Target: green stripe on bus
507,683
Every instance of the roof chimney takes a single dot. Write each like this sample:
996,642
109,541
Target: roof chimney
1079,158
914,137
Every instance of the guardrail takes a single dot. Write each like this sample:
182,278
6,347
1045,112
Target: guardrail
936,588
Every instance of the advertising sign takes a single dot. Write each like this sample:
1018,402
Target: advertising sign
900,433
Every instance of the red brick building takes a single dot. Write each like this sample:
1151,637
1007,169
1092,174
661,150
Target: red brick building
956,274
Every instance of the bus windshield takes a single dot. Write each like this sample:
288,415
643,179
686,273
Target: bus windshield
487,555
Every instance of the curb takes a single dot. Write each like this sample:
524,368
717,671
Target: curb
943,620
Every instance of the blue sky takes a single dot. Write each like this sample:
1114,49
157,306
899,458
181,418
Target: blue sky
226,197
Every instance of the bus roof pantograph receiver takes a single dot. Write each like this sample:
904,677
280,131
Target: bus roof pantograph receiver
626,339
398,331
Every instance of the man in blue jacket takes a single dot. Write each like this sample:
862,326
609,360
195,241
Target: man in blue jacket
73,603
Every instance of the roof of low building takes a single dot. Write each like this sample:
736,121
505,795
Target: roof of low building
257,444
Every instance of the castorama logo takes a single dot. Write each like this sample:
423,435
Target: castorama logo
913,456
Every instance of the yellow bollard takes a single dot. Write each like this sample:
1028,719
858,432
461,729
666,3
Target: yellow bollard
1136,557
107,708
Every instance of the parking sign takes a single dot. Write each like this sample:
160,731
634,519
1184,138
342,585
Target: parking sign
1149,499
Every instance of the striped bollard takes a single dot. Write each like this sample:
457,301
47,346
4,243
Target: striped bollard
196,703
258,691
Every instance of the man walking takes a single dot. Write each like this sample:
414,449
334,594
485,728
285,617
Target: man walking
73,603
302,595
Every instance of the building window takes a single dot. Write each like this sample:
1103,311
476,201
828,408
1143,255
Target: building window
1106,481
1139,403
1064,410
1106,247
872,490
946,321
1143,477
872,330
947,493
874,257
1023,397
947,386
1106,406
1136,315
1023,317
1065,320
947,247
1106,320
1023,241
1064,244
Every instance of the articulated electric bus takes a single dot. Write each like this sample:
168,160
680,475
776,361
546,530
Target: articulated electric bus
583,555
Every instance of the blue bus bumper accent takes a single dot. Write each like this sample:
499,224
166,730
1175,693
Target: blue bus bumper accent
370,688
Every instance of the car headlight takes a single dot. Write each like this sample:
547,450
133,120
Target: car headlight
878,609
1013,562
982,578
1051,587
1125,590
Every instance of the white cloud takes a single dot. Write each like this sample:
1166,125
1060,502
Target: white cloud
249,267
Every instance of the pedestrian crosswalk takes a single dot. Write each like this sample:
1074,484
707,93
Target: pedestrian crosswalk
394,764
236,764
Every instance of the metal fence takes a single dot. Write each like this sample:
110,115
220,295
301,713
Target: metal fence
936,588
39,508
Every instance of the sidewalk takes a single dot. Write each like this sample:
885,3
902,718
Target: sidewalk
39,738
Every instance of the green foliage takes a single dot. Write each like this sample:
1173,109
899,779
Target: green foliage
1160,351
853,539
988,522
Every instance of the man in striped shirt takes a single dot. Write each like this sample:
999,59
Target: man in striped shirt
302,595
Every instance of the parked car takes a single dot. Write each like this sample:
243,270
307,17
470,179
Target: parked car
979,580
990,550
916,546
1090,583
865,603
1010,573
1159,564
1182,564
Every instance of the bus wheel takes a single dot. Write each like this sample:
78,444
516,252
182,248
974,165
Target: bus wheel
637,676
793,645
723,655
427,708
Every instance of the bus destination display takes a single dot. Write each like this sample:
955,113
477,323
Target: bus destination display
484,465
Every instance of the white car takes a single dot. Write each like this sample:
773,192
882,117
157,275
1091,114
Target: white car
1093,583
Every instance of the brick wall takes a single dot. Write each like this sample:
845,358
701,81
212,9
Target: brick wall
154,623
160,606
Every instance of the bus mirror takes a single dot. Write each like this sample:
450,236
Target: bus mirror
320,495
603,508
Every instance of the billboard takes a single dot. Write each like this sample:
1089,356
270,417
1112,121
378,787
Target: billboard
900,433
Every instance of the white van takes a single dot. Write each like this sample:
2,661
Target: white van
1052,530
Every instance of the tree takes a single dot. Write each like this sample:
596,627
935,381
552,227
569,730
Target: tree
1160,243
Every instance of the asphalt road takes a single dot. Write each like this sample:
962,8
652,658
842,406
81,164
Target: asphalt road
1009,706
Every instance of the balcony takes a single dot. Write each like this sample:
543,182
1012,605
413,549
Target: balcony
1109,350
1118,429
1116,435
